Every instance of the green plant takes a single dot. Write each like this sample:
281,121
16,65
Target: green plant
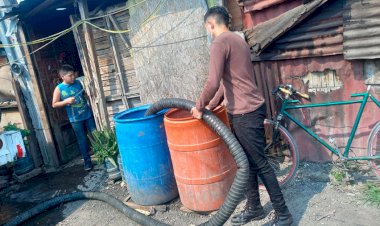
12,126
372,193
104,145
338,175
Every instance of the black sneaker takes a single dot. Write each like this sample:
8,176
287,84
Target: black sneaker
87,166
246,216
283,220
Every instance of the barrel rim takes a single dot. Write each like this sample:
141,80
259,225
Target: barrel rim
217,110
117,117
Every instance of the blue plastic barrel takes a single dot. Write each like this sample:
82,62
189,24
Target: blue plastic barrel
145,156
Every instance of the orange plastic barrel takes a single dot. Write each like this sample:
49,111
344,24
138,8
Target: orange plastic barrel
203,167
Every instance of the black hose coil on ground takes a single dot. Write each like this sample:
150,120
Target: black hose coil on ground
119,205
233,198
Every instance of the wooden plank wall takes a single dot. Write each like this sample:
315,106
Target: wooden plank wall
119,81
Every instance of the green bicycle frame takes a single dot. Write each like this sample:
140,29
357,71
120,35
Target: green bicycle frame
292,104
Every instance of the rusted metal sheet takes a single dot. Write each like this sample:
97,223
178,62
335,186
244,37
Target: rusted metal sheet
335,122
362,29
320,34
236,15
253,18
256,5
265,33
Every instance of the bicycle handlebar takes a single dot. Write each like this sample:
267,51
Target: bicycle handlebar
303,95
289,90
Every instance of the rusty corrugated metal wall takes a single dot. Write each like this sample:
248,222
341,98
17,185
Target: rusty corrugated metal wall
335,122
236,15
302,57
255,5
258,11
362,29
264,34
320,35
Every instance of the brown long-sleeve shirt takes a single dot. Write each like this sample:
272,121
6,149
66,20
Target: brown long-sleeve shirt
231,68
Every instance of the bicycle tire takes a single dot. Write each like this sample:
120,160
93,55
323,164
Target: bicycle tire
374,149
282,154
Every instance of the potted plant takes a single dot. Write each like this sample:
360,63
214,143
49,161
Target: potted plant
105,149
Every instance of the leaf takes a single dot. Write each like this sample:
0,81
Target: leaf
13,127
104,145
112,161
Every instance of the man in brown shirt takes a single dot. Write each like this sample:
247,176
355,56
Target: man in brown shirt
231,77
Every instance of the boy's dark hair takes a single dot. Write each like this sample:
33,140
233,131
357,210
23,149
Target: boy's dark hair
219,13
65,69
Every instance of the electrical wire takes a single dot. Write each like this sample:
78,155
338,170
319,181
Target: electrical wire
50,37
116,11
41,40
107,30
55,36
145,21
36,50
169,43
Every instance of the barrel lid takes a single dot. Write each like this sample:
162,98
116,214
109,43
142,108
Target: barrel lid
136,114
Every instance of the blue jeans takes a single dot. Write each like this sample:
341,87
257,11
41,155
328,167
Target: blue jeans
81,128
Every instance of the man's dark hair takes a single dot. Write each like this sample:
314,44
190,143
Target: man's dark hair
65,69
219,13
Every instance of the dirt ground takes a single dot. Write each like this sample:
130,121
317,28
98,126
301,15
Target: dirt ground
312,198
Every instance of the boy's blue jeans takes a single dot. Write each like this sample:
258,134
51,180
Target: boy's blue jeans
81,128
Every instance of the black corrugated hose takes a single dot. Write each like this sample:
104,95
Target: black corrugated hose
119,205
241,180
232,200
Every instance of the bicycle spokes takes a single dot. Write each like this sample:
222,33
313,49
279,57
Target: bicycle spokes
281,152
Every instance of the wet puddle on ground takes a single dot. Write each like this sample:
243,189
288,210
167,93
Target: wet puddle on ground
25,196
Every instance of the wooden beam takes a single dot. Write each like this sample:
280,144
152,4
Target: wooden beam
41,123
118,63
26,121
122,36
83,10
22,178
89,80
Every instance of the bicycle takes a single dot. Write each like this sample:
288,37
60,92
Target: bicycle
282,150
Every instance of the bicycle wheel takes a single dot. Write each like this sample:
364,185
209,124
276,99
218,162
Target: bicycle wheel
281,151
374,149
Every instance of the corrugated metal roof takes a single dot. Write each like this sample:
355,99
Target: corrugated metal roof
265,33
362,29
253,18
255,5
321,34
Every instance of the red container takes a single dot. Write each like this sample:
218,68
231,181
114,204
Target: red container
203,167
